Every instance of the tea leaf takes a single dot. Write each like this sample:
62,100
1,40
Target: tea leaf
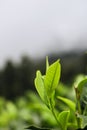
63,119
82,94
47,63
81,85
83,120
52,77
70,103
39,84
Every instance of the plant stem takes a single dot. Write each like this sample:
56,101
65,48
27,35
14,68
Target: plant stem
79,107
54,114
78,113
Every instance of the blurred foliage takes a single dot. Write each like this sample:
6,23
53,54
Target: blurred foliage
29,110
23,112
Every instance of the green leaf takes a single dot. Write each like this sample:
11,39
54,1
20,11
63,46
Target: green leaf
39,84
82,94
63,119
81,85
78,79
83,120
52,77
47,63
70,103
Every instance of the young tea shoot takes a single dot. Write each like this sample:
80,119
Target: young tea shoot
46,86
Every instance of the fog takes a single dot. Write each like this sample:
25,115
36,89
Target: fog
36,27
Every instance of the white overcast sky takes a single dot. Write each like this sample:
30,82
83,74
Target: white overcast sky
37,27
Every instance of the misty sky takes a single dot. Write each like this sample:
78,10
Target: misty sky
37,27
